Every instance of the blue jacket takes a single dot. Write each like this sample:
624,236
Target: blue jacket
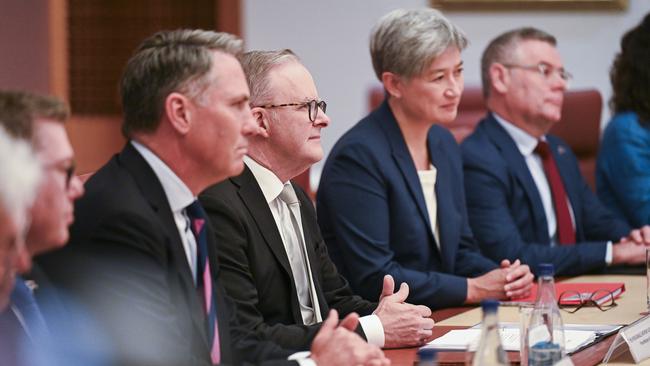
623,169
374,219
506,211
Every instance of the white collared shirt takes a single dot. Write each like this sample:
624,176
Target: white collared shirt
179,197
271,187
526,145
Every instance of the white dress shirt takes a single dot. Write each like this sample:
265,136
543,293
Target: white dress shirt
179,197
526,145
271,187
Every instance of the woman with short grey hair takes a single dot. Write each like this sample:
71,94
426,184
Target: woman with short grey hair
391,197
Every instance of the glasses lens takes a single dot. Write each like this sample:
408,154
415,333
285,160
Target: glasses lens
322,105
603,299
313,110
569,299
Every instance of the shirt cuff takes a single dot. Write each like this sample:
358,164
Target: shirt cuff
609,253
302,358
373,329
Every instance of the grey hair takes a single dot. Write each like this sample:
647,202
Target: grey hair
20,173
405,42
502,48
257,65
168,61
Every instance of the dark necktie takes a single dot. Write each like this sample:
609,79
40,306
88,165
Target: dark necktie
565,231
27,310
204,277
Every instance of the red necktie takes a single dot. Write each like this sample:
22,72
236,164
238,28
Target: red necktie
565,231
204,277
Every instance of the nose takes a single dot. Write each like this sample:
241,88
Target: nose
322,119
454,88
76,188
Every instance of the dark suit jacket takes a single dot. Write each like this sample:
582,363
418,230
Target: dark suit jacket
255,268
126,262
374,219
506,211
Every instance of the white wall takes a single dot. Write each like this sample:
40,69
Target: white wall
331,37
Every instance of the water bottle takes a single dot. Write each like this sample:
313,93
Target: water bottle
545,338
427,357
490,351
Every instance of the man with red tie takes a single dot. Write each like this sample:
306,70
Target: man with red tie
526,197
141,257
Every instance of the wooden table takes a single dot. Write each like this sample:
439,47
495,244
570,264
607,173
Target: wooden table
630,306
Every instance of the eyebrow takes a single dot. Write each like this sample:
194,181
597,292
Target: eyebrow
442,70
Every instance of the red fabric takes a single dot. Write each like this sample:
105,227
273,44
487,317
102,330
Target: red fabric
566,233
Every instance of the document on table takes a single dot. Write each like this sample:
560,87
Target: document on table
576,336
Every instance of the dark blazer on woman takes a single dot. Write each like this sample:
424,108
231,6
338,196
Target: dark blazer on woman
374,219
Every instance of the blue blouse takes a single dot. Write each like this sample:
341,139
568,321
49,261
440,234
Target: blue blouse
623,168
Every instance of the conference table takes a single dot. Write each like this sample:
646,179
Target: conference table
631,307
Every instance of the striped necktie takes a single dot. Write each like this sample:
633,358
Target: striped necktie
204,277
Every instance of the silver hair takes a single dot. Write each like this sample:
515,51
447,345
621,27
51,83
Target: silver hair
20,173
405,42
503,47
257,66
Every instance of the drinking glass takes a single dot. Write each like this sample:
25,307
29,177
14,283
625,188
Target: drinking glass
525,311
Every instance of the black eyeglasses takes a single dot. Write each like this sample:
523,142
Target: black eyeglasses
572,301
67,170
313,106
543,69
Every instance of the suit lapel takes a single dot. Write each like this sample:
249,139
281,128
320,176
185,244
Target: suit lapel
403,159
251,195
517,163
152,190
447,223
309,227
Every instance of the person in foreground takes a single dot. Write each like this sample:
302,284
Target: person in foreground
623,167
39,120
279,273
526,197
141,256
390,199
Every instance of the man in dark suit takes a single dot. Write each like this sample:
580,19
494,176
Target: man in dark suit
280,275
525,195
141,257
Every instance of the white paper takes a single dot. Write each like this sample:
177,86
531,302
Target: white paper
460,339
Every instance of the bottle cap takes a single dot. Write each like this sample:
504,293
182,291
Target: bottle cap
545,269
489,305
427,354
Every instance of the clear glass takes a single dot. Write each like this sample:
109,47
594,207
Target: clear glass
525,312
545,335
490,351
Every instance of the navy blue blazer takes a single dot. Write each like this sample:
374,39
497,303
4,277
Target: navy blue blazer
374,219
506,211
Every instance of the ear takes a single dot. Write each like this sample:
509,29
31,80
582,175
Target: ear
178,112
392,84
500,78
261,117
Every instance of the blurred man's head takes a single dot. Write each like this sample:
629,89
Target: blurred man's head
524,79
288,112
40,119
19,175
185,97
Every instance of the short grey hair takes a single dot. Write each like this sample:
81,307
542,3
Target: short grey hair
501,50
20,173
257,66
168,61
405,42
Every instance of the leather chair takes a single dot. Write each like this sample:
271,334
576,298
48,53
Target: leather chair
579,127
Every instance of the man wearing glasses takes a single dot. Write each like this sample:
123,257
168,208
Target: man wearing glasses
40,120
526,197
274,261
